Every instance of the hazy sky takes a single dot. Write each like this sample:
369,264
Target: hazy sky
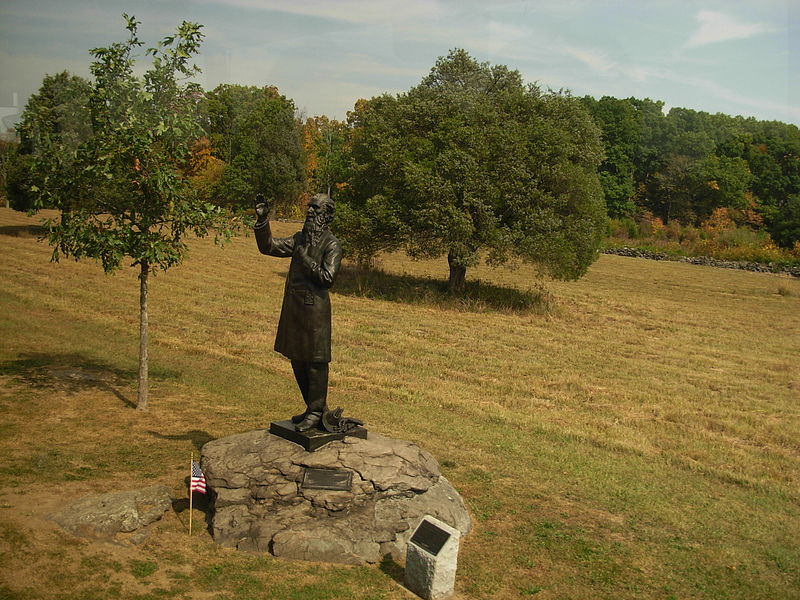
737,57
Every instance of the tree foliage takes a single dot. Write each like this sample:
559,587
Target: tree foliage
254,130
326,143
474,160
123,186
55,123
687,164
8,153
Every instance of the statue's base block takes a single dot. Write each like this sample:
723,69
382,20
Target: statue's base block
313,438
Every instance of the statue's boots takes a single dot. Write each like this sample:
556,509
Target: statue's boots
311,420
312,379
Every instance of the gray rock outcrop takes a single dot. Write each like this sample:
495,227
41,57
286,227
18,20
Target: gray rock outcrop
105,515
259,502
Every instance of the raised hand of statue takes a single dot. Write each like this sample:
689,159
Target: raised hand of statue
262,208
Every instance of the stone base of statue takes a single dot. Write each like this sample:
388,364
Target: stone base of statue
313,439
353,501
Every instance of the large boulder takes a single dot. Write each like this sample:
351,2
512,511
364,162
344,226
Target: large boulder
105,515
259,501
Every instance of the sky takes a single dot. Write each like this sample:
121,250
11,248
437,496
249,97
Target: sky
739,57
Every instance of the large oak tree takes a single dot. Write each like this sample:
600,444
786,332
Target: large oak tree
470,161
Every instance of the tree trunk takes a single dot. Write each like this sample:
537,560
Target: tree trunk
141,399
458,274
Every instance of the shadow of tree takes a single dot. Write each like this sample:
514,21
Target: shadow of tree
36,231
478,296
197,437
71,373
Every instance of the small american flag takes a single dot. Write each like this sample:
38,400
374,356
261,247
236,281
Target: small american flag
198,482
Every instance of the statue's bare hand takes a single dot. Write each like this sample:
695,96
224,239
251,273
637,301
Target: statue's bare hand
262,207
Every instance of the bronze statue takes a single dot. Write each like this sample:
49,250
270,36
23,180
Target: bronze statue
304,329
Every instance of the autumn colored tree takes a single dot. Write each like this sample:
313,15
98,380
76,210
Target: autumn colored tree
326,145
205,170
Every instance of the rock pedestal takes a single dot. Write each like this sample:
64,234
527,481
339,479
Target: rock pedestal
263,499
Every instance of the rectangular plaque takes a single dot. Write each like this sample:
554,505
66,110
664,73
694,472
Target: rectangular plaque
327,479
429,537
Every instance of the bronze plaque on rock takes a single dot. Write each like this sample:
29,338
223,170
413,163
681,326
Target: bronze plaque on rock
327,479
429,537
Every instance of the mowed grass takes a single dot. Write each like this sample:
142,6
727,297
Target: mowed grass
634,434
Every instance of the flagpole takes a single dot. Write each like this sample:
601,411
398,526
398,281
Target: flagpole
191,463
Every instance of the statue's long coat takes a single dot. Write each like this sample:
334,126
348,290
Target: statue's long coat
304,329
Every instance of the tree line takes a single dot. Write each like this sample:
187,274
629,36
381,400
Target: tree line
685,165
677,166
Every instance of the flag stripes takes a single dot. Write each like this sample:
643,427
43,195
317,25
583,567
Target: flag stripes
198,481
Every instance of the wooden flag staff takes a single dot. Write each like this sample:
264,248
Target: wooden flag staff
191,464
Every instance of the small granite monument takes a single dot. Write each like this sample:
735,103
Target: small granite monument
431,559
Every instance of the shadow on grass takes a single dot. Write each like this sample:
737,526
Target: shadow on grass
478,296
391,568
71,373
197,437
36,231
200,502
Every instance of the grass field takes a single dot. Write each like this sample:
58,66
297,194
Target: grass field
635,434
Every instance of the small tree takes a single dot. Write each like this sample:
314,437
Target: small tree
125,191
473,160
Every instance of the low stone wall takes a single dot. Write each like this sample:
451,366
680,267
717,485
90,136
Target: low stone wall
705,261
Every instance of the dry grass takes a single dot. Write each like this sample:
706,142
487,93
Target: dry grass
633,435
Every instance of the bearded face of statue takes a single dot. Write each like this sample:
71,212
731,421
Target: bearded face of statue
318,215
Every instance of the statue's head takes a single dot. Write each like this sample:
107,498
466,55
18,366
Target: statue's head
318,215
321,207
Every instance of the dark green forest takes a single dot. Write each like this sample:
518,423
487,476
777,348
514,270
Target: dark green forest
687,165
703,182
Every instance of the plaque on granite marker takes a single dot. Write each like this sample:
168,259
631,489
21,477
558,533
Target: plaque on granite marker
429,537
327,479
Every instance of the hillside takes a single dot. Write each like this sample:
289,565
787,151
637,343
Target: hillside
633,436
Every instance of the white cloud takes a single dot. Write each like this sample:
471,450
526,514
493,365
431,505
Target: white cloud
502,36
593,58
719,27
352,11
